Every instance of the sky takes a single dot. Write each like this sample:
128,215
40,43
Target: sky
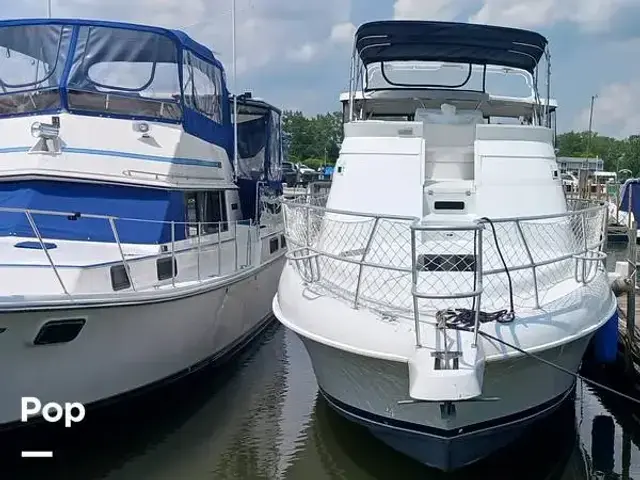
295,53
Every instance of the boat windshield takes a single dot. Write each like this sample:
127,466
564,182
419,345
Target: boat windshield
32,60
495,80
125,72
106,71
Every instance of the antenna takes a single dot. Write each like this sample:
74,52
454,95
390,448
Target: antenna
235,91
49,8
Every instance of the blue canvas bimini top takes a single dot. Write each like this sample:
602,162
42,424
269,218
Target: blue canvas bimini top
113,69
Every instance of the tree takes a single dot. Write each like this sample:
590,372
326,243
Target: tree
313,139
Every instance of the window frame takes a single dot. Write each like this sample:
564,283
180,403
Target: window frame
192,61
202,199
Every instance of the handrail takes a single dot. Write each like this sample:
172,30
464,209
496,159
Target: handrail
189,244
588,252
476,294
34,227
124,261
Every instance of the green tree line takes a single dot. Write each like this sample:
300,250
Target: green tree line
617,154
316,140
312,141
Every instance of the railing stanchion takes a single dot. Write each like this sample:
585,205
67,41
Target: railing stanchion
173,253
114,230
249,237
364,256
478,286
414,286
531,261
219,249
198,266
586,247
235,243
36,232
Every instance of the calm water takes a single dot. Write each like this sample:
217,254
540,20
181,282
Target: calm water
261,418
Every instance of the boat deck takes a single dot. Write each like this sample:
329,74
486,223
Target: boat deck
65,253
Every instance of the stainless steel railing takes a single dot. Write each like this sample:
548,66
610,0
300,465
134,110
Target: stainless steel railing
344,251
203,240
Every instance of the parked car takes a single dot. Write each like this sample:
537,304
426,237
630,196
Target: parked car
290,174
306,174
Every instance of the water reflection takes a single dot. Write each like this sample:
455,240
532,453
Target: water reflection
261,418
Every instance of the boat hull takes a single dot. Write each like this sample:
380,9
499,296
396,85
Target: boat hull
122,349
367,390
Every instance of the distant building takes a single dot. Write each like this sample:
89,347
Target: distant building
573,164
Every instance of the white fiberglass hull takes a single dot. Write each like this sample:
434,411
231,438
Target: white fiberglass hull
360,362
367,391
123,348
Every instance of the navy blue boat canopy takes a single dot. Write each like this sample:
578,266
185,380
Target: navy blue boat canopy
630,188
429,41
259,151
259,141
113,69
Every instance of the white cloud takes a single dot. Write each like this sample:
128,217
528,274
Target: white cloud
266,31
592,15
428,9
305,53
343,33
616,110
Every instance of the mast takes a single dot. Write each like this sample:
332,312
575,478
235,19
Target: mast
235,90
593,99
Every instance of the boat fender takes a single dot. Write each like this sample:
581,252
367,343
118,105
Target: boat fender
605,341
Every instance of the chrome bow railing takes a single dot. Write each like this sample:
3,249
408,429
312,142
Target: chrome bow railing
399,265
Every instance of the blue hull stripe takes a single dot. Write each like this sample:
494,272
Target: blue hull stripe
116,153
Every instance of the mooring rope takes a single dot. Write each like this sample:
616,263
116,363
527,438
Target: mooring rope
464,319
562,369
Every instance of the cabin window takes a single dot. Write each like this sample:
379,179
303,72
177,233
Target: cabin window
119,278
273,245
448,205
202,84
209,208
165,269
25,68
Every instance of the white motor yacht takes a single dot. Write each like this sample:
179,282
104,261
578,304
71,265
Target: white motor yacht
445,254
138,241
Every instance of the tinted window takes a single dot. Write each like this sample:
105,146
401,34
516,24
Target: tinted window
209,208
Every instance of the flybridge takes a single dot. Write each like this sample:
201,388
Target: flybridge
454,62
111,69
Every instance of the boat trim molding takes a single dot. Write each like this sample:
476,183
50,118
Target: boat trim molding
372,420
141,298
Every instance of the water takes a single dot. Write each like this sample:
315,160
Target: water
261,418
